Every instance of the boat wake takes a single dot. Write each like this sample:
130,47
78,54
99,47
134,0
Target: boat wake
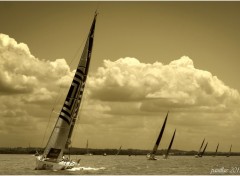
86,169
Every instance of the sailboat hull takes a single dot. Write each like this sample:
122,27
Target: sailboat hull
151,157
44,164
165,156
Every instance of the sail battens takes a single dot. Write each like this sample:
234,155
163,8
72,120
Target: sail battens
66,111
81,70
65,118
80,77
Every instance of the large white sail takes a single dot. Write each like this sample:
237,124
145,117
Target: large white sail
62,132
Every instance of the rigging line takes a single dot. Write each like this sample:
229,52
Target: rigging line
81,47
54,103
60,88
52,111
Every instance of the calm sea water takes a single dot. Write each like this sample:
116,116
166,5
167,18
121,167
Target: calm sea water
126,165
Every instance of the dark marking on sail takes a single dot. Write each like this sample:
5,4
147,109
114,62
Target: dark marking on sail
82,70
70,101
53,153
79,77
65,112
61,134
64,118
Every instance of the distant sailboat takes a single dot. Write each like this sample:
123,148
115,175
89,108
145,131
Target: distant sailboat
87,151
216,151
169,147
119,150
201,155
60,139
199,151
229,153
151,156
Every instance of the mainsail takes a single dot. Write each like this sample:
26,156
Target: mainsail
204,150
170,145
119,150
229,153
60,138
199,151
87,148
216,150
155,147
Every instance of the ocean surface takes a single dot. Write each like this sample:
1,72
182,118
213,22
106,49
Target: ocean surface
126,165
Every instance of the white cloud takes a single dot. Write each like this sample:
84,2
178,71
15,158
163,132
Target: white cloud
176,85
26,84
138,95
21,72
124,103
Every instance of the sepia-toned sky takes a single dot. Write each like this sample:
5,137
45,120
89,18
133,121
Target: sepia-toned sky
148,58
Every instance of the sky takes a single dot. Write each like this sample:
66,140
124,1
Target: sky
148,58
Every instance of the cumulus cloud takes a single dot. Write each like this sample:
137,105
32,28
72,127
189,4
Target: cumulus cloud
139,93
25,79
176,85
22,73
123,97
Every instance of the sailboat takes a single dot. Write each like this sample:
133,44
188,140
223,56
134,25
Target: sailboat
169,147
199,151
229,153
216,151
151,156
201,155
119,150
87,153
60,139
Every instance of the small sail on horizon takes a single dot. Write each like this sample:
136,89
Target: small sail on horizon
201,155
60,138
119,150
170,145
151,156
216,151
229,153
87,149
199,151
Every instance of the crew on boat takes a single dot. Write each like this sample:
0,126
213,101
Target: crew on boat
65,158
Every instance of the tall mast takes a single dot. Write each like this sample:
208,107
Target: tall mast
60,138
